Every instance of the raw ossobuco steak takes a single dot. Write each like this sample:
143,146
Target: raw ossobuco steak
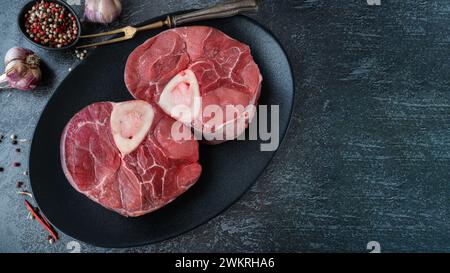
197,67
123,156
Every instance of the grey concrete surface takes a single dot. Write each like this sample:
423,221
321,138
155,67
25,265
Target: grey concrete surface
367,154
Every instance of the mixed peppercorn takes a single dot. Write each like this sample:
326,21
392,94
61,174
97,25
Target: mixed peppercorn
51,24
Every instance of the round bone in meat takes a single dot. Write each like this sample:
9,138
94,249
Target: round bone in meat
125,157
193,71
130,122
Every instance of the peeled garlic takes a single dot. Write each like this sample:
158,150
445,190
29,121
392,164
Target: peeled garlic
102,11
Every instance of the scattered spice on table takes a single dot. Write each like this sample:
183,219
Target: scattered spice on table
13,136
51,24
41,220
81,54
2,169
25,173
17,164
18,150
14,142
19,184
50,239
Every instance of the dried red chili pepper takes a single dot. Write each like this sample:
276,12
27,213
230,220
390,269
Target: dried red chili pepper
41,220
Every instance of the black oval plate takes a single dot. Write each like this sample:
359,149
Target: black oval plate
229,169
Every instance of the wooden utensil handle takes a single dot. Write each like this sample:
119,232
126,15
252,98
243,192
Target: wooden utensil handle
224,10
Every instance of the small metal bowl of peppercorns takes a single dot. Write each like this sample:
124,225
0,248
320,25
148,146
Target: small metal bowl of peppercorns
50,24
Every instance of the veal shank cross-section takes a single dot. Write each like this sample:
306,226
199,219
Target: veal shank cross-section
123,156
186,65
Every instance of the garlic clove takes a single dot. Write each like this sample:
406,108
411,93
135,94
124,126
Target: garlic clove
102,11
17,53
110,11
21,77
22,69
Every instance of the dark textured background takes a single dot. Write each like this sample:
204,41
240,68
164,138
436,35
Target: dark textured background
367,153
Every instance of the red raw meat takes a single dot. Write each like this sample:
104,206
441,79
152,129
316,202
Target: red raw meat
182,64
130,176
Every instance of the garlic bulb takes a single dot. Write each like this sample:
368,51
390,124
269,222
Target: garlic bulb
22,69
102,11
